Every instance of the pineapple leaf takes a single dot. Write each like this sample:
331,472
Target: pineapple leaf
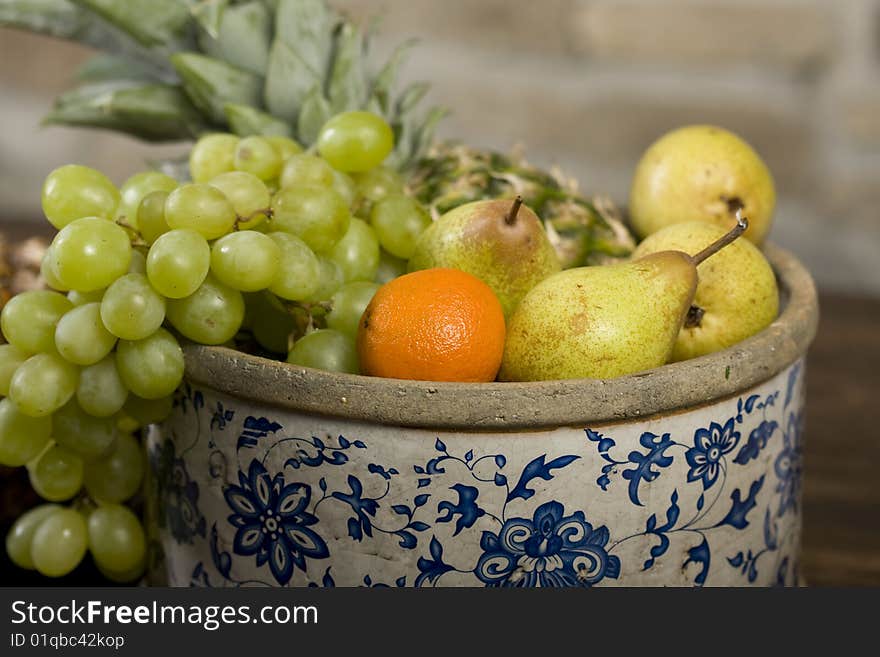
300,55
156,112
238,34
245,121
103,67
347,88
411,97
208,15
288,82
424,136
307,26
152,23
383,84
314,114
63,20
212,84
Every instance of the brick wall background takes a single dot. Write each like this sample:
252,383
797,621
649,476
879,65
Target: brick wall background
587,85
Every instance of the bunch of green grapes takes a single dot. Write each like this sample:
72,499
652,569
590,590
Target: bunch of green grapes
267,242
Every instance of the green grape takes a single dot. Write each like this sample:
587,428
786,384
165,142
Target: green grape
57,474
331,279
305,169
325,349
349,304
91,253
82,298
151,216
271,326
178,262
116,538
131,308
81,336
126,424
357,253
10,358
148,411
90,437
317,215
355,141
73,191
248,194
376,184
345,187
298,271
49,273
136,188
126,576
21,535
138,261
59,543
100,391
21,437
211,315
118,476
398,221
212,155
28,320
390,267
43,384
201,208
285,146
153,367
245,260
258,156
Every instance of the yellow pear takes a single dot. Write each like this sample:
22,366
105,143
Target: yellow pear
701,173
501,242
735,298
604,321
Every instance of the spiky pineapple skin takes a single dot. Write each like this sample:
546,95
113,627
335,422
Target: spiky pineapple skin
583,231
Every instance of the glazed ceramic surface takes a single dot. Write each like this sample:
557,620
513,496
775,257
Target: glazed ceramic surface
251,494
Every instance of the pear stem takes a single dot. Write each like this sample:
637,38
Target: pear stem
741,224
510,219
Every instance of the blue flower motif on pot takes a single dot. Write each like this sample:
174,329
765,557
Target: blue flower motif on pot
788,465
178,495
710,445
272,522
551,549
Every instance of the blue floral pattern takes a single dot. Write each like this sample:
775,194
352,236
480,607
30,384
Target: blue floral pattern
788,466
328,510
272,522
550,549
710,445
178,495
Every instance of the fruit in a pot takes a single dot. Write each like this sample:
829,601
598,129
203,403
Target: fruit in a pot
432,325
501,243
604,321
701,173
735,298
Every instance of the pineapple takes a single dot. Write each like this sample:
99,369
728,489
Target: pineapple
176,69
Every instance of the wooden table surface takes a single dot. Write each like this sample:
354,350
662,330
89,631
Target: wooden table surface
842,446
841,500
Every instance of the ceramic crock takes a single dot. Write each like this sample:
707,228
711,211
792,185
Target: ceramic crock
690,474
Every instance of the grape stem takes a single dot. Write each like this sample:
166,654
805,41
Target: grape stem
136,238
243,220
